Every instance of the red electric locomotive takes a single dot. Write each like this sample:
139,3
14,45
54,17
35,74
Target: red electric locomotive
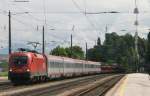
25,66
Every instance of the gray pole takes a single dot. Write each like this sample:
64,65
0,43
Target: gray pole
71,46
43,43
86,51
9,34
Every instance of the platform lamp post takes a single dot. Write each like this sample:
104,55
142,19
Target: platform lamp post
136,23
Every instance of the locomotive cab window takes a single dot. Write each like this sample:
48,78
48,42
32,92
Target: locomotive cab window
19,60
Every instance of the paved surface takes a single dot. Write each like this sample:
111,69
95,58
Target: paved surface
2,79
136,84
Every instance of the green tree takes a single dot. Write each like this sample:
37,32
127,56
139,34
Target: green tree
77,52
148,48
120,50
59,51
147,65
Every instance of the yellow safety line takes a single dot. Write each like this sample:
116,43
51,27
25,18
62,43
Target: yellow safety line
122,87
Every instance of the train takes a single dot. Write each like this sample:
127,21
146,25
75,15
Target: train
31,66
27,66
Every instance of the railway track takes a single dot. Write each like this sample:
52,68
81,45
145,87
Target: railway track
28,89
5,85
98,89
52,88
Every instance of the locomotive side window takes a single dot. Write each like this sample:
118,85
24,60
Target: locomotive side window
19,60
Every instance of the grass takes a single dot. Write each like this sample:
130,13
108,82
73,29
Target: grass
3,74
4,64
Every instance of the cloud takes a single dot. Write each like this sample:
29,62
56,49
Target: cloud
61,15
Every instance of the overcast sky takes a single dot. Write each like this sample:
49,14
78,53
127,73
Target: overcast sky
59,16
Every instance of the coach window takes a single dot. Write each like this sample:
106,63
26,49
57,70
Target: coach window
71,65
61,65
67,64
49,63
52,64
80,65
57,64
85,65
76,65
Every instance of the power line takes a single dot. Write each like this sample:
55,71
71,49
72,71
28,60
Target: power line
35,18
21,1
77,6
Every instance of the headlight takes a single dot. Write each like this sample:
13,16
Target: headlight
10,70
28,70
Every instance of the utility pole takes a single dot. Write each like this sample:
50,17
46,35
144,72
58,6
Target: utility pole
106,29
9,34
71,40
43,43
86,51
71,46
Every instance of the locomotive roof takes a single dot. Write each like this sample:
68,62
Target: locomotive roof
27,53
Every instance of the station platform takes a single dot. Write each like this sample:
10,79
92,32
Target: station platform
137,84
